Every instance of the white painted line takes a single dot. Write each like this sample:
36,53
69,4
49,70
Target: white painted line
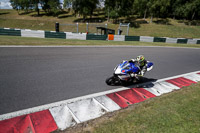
108,103
178,76
51,105
169,85
62,117
74,116
165,86
162,88
153,91
193,77
86,109
107,110
94,46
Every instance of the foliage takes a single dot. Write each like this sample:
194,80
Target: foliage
21,4
187,9
140,4
84,7
118,8
67,4
49,6
181,9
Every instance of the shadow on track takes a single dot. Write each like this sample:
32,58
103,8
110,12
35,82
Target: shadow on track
140,83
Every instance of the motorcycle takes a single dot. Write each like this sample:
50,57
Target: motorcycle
123,71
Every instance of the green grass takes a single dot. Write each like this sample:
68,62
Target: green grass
170,28
176,112
15,40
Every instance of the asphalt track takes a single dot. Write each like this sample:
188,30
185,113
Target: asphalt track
33,76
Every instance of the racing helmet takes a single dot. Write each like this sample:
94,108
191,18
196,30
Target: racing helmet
140,58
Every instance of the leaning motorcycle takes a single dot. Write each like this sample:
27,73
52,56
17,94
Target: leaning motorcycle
122,73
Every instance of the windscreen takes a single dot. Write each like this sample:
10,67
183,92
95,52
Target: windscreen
125,65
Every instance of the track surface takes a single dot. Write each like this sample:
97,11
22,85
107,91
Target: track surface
31,77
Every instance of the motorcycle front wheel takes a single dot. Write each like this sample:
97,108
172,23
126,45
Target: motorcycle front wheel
113,81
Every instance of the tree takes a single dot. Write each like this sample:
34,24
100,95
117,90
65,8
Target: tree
119,8
84,7
35,6
68,4
21,5
15,5
181,9
54,7
140,7
178,8
191,8
49,6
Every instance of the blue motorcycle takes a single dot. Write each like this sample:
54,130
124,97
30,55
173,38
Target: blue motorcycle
123,71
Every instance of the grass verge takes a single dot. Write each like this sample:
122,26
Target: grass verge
176,112
14,40
139,27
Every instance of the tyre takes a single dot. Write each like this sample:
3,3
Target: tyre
110,81
113,81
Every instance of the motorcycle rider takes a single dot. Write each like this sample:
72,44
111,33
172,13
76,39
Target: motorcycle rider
142,62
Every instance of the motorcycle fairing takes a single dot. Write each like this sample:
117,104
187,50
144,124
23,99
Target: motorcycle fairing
124,68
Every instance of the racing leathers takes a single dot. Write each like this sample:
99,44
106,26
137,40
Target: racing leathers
142,66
